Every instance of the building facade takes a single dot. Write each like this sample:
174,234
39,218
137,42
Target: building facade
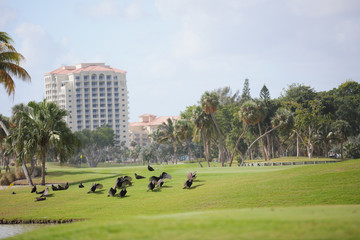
139,131
94,94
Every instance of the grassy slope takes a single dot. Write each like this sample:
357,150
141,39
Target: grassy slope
313,202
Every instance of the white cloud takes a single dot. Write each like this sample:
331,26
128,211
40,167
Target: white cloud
133,11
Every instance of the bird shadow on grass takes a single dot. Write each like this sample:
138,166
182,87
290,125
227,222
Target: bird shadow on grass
193,187
99,191
167,187
50,195
199,181
124,196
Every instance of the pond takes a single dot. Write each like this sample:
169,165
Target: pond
9,230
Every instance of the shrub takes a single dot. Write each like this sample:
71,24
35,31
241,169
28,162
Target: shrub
19,174
11,177
4,180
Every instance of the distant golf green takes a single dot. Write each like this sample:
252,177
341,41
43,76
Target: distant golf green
284,202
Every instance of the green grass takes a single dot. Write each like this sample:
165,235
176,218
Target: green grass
288,202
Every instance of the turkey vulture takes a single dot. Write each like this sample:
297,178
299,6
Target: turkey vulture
111,192
160,180
54,188
66,186
81,185
60,187
123,182
151,185
150,168
188,184
138,176
45,193
40,192
13,193
190,180
95,186
123,192
33,189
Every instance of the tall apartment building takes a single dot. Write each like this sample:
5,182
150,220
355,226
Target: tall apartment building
139,131
94,94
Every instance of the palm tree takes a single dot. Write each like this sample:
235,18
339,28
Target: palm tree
183,131
167,134
21,142
341,131
49,129
9,64
204,130
210,103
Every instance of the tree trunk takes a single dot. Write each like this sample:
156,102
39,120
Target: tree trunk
26,172
297,146
247,151
43,157
236,145
222,147
341,151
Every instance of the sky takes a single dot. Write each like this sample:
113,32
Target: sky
175,50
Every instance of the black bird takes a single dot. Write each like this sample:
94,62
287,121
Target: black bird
111,192
160,180
122,192
151,185
33,189
138,176
40,192
95,186
13,193
123,182
40,199
150,168
54,188
81,185
190,180
60,187
66,186
188,184
45,193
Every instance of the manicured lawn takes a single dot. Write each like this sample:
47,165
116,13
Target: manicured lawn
288,202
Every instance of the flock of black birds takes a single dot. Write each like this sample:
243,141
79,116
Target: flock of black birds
120,186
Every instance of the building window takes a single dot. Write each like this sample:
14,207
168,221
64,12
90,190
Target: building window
78,84
115,77
108,77
94,105
116,84
93,77
86,77
101,77
108,84
94,94
77,78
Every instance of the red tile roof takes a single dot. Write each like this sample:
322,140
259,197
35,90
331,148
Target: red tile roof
87,68
156,122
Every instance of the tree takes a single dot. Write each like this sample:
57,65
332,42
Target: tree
245,96
340,132
49,128
10,60
95,143
265,93
204,130
167,134
184,131
282,118
210,102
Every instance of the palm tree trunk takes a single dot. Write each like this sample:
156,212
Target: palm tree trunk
221,141
26,172
236,145
206,152
247,151
43,157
